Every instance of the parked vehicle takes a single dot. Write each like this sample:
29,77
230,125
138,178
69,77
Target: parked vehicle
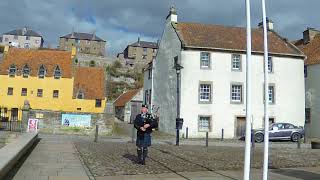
280,131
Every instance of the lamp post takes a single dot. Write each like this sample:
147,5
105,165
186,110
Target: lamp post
179,121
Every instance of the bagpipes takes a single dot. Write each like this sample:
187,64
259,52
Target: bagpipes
152,118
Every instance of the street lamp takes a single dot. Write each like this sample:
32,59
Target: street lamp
179,121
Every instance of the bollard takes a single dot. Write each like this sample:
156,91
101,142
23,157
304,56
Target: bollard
96,134
222,134
187,129
207,136
253,141
299,142
132,134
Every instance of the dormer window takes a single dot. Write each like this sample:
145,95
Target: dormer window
57,72
12,70
80,95
42,72
25,71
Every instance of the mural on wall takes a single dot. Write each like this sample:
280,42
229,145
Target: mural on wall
76,120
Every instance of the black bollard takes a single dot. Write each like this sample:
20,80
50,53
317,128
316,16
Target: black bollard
96,134
222,134
187,129
207,137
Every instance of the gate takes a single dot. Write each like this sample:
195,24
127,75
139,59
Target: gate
10,124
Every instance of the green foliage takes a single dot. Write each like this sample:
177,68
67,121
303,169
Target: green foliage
117,64
92,63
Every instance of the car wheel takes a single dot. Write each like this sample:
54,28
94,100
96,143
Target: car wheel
295,137
259,137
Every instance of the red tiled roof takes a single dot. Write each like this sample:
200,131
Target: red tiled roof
194,35
35,58
311,50
125,97
89,80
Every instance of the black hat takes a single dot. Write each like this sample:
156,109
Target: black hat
144,105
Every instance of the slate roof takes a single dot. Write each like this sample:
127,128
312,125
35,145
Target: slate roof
18,32
311,50
145,44
35,58
91,81
219,37
125,97
82,36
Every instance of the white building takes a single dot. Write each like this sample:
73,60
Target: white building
22,38
309,44
213,79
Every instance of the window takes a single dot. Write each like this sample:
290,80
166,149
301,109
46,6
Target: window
146,97
305,71
308,115
205,93
15,37
271,94
24,92
25,71
288,126
98,102
80,95
27,37
150,73
236,62
236,93
55,93
270,64
150,96
57,72
78,109
10,91
12,70
204,60
204,123
40,93
42,72
145,50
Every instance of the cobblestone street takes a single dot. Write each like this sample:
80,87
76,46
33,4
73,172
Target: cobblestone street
111,158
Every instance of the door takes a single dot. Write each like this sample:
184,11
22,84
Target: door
135,110
14,114
241,126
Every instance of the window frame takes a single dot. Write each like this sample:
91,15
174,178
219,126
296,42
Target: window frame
14,72
270,64
234,101
209,123
55,76
201,60
202,101
25,67
98,103
40,76
273,94
232,62
39,92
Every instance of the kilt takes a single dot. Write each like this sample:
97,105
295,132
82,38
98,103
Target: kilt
143,140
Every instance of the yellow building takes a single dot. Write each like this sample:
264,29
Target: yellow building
48,80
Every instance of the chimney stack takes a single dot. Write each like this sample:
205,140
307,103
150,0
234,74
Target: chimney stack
24,30
172,16
138,41
269,24
309,34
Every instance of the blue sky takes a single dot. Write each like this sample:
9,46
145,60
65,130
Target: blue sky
121,22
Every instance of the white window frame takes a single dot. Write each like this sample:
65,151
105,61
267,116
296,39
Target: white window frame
57,72
12,70
25,71
236,60
236,94
205,92
205,60
204,123
40,75
271,94
270,64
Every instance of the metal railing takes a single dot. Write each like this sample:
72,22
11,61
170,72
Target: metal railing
15,126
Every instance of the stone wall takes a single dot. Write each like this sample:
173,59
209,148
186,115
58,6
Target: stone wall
50,122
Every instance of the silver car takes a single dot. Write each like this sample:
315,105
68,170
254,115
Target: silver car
280,131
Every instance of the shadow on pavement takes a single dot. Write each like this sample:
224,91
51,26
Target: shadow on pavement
132,158
297,174
16,167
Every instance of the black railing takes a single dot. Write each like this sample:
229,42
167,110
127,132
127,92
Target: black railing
14,125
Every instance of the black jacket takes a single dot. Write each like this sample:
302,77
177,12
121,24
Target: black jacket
141,121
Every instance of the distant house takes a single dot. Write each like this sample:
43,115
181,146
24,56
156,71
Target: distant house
85,43
22,38
310,45
128,105
139,53
213,80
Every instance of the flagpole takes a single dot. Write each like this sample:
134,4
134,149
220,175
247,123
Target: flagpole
246,173
266,94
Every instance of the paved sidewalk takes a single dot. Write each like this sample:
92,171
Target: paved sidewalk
52,159
280,174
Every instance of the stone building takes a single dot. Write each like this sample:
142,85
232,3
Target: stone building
310,44
213,80
139,53
22,38
84,42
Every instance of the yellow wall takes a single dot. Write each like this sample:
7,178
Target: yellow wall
64,102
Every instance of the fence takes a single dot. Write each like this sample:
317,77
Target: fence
15,126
